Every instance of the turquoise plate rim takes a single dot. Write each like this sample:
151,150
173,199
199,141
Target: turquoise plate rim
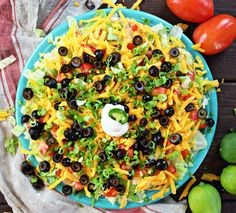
137,15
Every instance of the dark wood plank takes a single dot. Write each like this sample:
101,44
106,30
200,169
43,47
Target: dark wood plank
2,199
5,208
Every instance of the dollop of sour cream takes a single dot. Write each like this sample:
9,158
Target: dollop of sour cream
110,126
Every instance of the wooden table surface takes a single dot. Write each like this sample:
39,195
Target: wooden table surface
223,66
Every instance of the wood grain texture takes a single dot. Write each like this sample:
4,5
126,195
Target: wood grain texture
222,66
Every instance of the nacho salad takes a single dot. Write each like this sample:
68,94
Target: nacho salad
116,108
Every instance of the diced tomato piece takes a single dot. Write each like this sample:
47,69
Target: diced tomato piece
167,152
193,115
59,78
134,27
168,143
78,186
203,126
130,152
121,146
141,63
77,33
51,153
159,90
130,46
27,125
92,48
41,119
43,147
185,97
157,172
177,91
185,153
171,169
191,75
54,130
100,32
111,193
163,59
140,172
71,148
58,172
149,54
85,68
123,166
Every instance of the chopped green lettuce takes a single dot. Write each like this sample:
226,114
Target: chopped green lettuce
158,27
111,36
18,130
11,145
176,32
39,33
200,142
181,168
71,20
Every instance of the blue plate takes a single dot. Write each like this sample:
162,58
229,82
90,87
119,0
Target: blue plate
137,15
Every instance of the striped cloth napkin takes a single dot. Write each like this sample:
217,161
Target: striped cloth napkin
18,21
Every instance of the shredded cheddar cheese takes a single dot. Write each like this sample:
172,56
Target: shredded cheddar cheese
188,186
198,47
210,177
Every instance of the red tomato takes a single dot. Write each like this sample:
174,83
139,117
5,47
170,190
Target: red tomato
216,34
203,126
59,78
140,172
185,153
168,143
157,173
43,147
195,11
185,97
78,186
121,146
171,169
159,90
134,27
27,125
130,152
111,193
51,154
54,130
92,48
193,115
149,54
191,75
41,119
85,68
130,46
77,33
58,172
71,148
124,166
